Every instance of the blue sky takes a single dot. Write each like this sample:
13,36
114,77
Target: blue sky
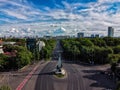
89,13
21,11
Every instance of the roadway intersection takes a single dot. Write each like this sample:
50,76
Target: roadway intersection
79,77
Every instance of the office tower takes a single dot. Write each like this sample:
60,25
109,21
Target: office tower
92,35
97,35
80,35
110,31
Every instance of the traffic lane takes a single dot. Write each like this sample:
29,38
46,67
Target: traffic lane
30,85
44,80
47,81
79,77
75,79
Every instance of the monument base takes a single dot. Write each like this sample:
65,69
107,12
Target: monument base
62,72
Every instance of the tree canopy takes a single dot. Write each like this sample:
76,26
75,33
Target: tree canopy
99,50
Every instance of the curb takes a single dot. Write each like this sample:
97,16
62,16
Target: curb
23,68
22,84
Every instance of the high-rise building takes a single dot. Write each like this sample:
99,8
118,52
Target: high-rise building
80,35
97,35
92,35
110,31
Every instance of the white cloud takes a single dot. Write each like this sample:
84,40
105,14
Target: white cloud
15,14
94,16
19,9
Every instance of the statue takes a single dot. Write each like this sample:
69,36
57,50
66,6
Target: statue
59,64
59,67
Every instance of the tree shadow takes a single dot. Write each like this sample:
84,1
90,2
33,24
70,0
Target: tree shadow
100,79
78,63
46,73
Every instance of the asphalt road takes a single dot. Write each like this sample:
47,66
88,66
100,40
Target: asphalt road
79,77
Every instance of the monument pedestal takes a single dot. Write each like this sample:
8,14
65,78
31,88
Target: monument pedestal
62,71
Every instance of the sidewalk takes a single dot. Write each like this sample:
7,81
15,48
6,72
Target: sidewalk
13,78
1,78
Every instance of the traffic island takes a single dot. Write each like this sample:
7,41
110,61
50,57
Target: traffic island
59,71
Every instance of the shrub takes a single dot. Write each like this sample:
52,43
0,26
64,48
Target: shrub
5,87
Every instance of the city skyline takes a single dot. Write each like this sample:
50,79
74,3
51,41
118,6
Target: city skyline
44,17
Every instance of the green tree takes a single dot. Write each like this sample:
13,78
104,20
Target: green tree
116,49
98,42
101,54
114,58
86,42
46,51
23,56
111,41
118,85
87,49
3,61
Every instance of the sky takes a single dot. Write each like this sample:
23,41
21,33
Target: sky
45,17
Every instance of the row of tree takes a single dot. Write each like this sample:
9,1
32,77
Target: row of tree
97,50
46,52
16,56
